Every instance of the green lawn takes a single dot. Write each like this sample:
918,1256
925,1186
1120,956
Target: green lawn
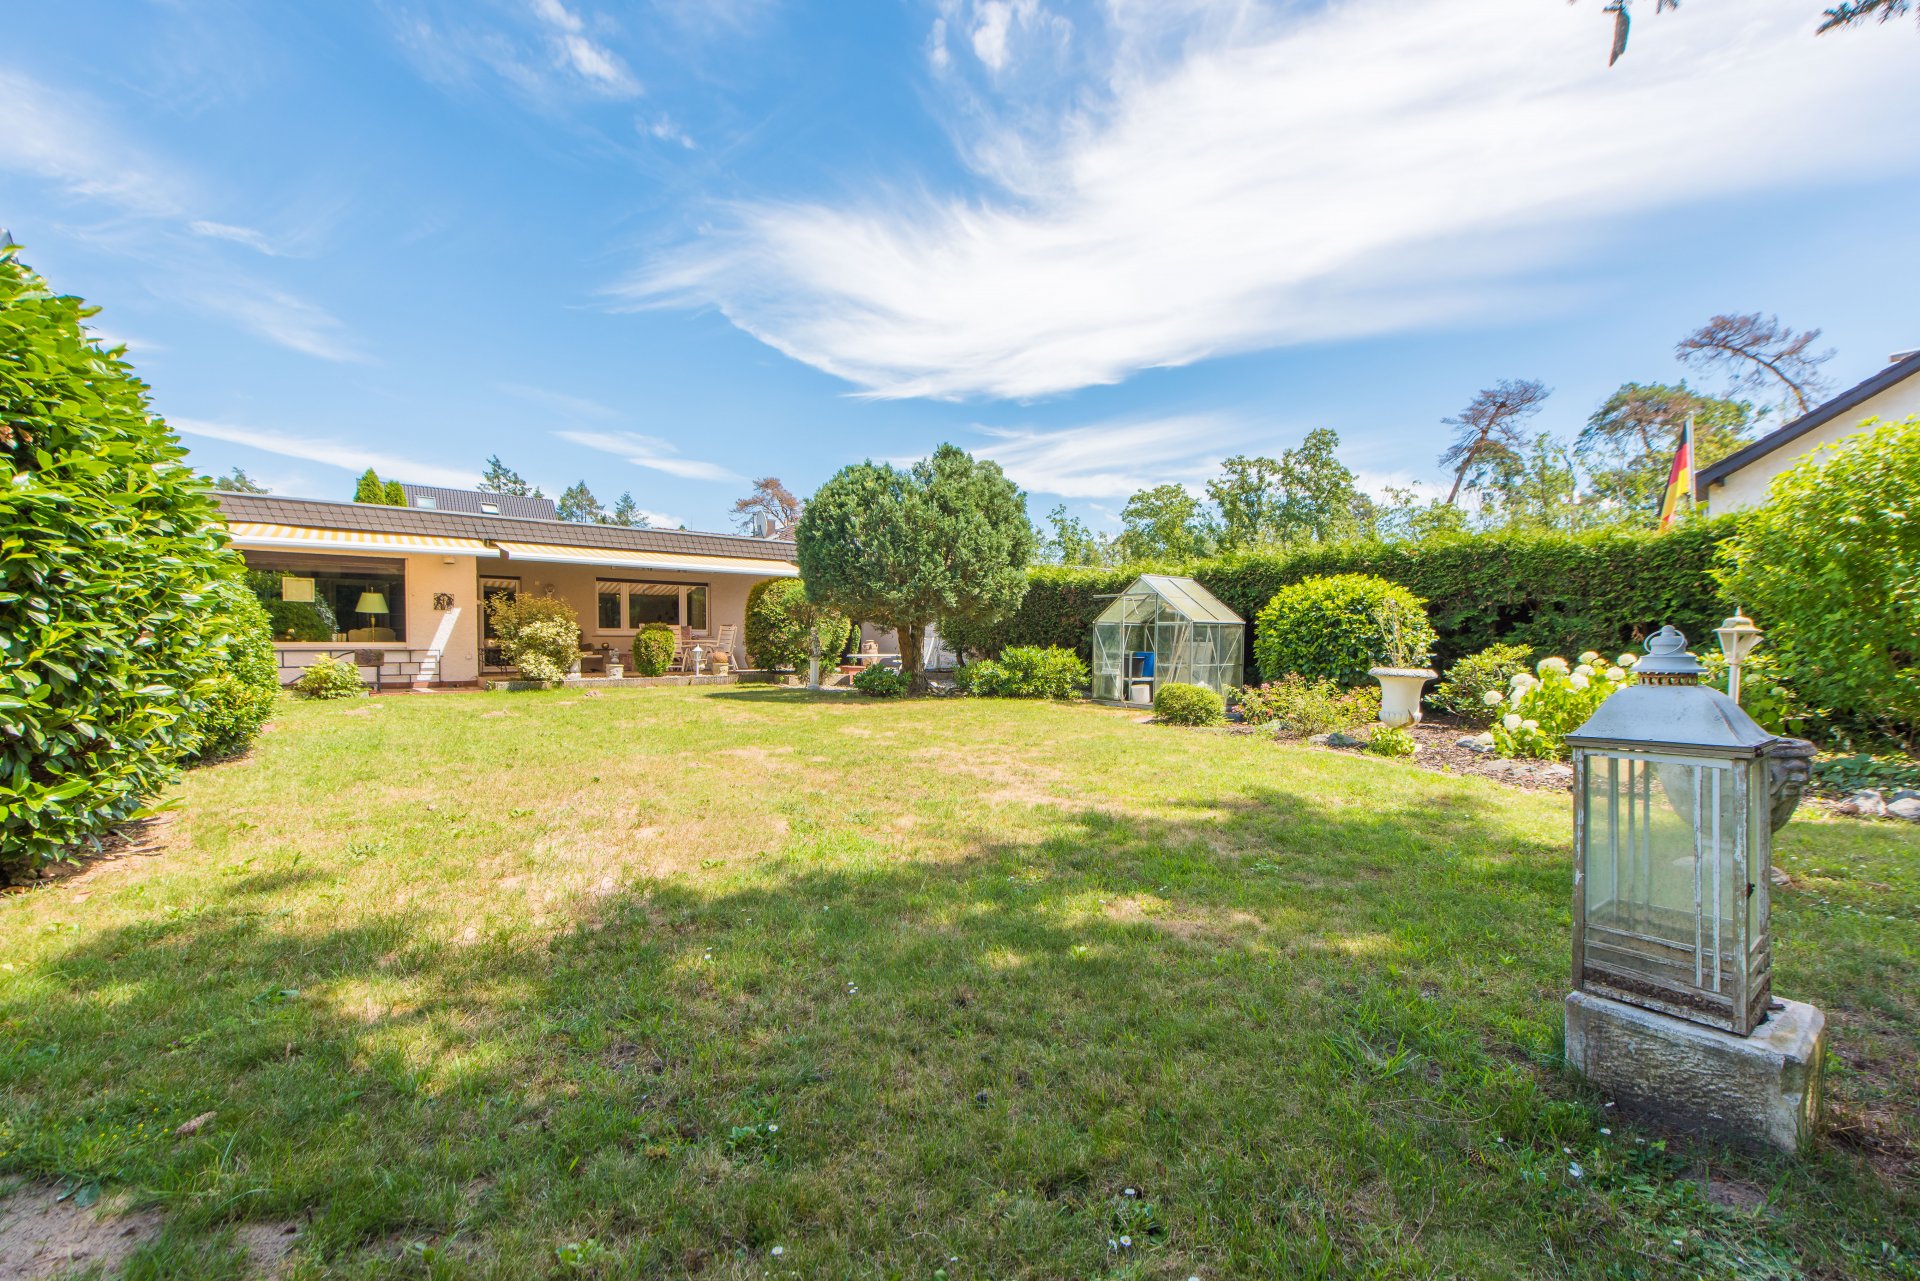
744,983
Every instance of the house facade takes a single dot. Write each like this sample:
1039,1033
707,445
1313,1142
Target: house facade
1740,480
410,584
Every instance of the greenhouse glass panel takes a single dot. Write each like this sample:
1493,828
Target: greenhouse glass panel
1165,629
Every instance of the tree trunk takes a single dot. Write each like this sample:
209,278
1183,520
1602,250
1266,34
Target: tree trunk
910,635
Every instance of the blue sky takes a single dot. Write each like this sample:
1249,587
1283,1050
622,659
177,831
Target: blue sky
670,246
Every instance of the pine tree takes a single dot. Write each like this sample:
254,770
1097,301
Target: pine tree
627,512
393,494
502,479
577,503
370,489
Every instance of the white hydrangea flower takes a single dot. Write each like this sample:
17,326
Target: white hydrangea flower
1522,680
1531,726
1578,680
1555,664
1585,669
1590,657
1616,675
1625,660
1491,698
1511,720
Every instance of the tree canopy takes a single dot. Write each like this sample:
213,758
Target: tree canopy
770,503
946,539
502,479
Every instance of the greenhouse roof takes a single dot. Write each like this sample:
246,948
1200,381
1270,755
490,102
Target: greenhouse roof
1183,595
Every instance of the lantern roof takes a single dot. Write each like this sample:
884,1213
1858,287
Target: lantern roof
1669,709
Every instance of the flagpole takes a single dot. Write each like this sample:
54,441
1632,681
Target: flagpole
1693,470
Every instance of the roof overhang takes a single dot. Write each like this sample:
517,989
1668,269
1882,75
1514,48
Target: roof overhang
264,536
257,534
663,562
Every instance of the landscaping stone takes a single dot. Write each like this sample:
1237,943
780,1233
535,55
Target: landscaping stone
1336,739
1908,808
1867,803
1482,743
1763,1089
1903,794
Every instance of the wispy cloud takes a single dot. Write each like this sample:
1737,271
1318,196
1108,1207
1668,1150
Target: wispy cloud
578,406
1248,176
578,52
650,452
330,450
247,236
58,138
551,53
1113,459
664,128
281,318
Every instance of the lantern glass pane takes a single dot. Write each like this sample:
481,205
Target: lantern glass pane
1664,871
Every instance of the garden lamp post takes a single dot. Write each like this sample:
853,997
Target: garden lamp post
1677,794
1738,636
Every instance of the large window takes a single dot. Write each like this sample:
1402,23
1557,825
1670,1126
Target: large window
330,598
629,606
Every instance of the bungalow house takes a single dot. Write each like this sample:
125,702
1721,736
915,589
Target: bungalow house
1740,480
412,582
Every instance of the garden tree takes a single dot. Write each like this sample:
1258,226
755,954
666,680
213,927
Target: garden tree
1828,566
110,634
772,502
1628,444
1760,354
237,482
1405,518
1487,432
1249,496
945,540
502,479
783,626
626,512
396,494
578,504
1319,501
1536,487
385,493
1165,523
1066,540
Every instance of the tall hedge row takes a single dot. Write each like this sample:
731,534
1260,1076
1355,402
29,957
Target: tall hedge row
110,640
1559,593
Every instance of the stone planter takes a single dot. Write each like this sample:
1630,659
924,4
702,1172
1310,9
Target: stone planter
1400,689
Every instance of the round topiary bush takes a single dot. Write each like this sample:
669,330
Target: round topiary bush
240,694
1177,704
327,677
539,634
780,623
1336,628
653,649
882,682
110,547
1827,566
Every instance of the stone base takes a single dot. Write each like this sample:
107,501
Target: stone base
1762,1090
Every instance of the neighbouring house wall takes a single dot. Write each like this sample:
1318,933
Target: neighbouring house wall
1748,486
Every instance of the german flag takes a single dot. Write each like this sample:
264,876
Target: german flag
1679,479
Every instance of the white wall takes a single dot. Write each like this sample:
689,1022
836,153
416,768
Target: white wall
1748,486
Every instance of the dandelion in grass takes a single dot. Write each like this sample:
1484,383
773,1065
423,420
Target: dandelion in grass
777,1251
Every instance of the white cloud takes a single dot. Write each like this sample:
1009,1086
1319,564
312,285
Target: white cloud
281,318
650,452
666,129
576,51
1252,178
991,20
1113,459
238,235
331,451
53,137
546,58
578,406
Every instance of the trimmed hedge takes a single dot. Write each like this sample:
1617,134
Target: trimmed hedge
1340,628
780,623
246,679
1556,592
1177,704
109,546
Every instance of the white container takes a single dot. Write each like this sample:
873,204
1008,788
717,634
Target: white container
1139,692
1400,689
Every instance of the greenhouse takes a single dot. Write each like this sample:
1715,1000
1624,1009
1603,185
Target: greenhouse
1165,629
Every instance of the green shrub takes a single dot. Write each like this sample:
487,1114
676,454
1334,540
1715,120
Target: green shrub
1025,671
1852,772
882,682
246,678
1298,705
1391,740
1177,704
1337,628
1544,706
653,649
539,634
1464,692
1828,566
329,677
1558,593
780,623
108,547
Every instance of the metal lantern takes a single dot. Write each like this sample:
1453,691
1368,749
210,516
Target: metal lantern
1737,638
1674,813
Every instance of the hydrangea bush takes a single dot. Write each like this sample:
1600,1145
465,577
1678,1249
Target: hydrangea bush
1556,698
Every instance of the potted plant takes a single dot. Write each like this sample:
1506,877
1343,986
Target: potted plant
1401,680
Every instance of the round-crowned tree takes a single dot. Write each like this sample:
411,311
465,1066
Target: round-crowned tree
781,623
1337,627
1828,567
947,541
109,633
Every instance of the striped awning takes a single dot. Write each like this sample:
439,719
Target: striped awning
255,534
561,554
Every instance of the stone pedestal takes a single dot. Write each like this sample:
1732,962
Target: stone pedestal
1763,1089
